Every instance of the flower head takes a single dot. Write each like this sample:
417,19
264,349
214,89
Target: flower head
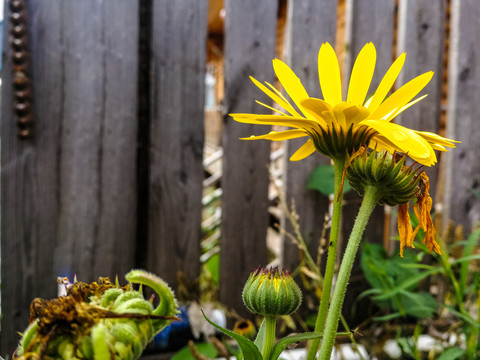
270,292
337,126
245,328
396,184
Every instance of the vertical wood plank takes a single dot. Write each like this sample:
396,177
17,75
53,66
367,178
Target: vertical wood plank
98,135
309,24
366,20
176,151
68,195
249,50
421,27
463,183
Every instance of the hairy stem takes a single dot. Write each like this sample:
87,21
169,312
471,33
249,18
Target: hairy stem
339,166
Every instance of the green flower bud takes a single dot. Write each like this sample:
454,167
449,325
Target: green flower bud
269,292
396,182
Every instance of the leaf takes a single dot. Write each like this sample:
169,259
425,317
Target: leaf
260,339
249,349
206,349
282,344
406,284
451,353
465,317
467,254
322,179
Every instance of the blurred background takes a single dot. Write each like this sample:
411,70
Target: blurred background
117,150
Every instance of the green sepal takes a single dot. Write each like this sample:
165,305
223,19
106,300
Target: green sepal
249,349
283,343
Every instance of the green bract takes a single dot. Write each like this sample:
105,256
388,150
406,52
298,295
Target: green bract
271,293
396,183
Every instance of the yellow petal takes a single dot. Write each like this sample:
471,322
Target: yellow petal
320,110
397,112
402,96
279,136
406,140
305,150
290,121
270,108
386,84
329,74
282,102
362,74
291,83
437,139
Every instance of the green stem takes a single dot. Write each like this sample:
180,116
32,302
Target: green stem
368,204
270,323
339,166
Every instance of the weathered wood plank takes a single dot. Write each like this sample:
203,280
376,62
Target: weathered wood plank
309,24
421,28
463,183
249,49
176,151
368,20
98,135
68,195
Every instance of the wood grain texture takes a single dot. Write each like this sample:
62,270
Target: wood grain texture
309,24
366,20
249,50
68,195
463,183
421,28
176,151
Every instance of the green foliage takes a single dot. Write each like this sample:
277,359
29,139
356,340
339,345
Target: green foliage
395,283
452,353
251,350
322,179
205,349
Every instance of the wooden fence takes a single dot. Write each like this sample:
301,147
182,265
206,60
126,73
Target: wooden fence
111,177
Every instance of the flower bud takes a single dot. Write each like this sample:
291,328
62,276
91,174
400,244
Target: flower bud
270,292
397,183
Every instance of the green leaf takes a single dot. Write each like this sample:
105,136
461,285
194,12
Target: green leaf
406,284
206,349
465,317
283,343
388,317
322,179
213,265
260,339
249,349
451,353
467,254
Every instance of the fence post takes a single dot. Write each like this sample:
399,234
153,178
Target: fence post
249,49
366,20
176,138
68,193
463,182
309,24
421,28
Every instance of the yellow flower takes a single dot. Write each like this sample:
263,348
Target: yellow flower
335,126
